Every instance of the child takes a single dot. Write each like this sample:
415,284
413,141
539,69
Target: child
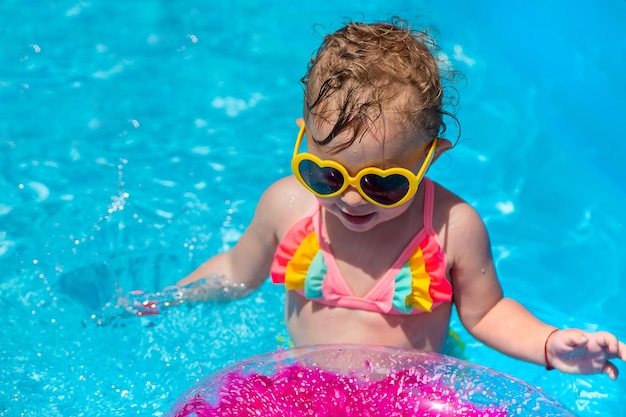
369,249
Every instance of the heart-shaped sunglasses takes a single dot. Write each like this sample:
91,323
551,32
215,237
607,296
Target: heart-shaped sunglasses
384,187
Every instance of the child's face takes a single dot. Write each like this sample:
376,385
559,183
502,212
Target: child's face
382,148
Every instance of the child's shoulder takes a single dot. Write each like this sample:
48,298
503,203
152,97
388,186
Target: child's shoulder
457,220
452,211
448,201
285,202
288,190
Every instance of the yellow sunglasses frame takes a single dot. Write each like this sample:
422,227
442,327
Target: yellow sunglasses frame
413,179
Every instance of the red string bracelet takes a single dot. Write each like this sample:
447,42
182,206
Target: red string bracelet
545,350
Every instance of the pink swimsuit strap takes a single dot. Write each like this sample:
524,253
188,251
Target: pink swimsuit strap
415,283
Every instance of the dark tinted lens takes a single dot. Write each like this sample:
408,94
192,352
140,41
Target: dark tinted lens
385,190
322,180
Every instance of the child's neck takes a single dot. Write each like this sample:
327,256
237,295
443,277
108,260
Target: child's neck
371,253
399,229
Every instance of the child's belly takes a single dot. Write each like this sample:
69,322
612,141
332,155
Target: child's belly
311,323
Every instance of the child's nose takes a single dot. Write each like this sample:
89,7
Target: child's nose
352,197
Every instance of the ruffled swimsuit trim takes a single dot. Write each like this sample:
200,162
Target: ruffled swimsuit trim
415,283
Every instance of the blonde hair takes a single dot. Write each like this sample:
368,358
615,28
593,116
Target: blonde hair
364,70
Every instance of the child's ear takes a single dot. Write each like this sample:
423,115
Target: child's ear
443,145
299,121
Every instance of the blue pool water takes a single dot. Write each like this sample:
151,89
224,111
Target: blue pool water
136,137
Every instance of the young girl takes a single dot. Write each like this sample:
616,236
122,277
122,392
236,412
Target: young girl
369,249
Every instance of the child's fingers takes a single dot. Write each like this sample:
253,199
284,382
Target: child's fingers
576,339
610,344
611,370
621,351
607,342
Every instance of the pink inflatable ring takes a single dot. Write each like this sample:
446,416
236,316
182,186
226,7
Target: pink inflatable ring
361,381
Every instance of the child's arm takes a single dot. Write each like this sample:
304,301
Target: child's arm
248,262
506,325
234,273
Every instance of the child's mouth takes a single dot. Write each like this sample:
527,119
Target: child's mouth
357,220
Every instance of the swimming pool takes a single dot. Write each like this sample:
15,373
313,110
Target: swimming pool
130,134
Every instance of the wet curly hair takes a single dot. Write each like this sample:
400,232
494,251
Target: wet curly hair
366,70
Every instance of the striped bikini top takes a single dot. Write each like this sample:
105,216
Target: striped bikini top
415,283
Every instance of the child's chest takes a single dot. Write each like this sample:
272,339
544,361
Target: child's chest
363,261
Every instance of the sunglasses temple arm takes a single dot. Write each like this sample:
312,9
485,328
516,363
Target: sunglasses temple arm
429,159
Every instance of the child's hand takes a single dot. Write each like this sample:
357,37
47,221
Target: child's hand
140,304
575,351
